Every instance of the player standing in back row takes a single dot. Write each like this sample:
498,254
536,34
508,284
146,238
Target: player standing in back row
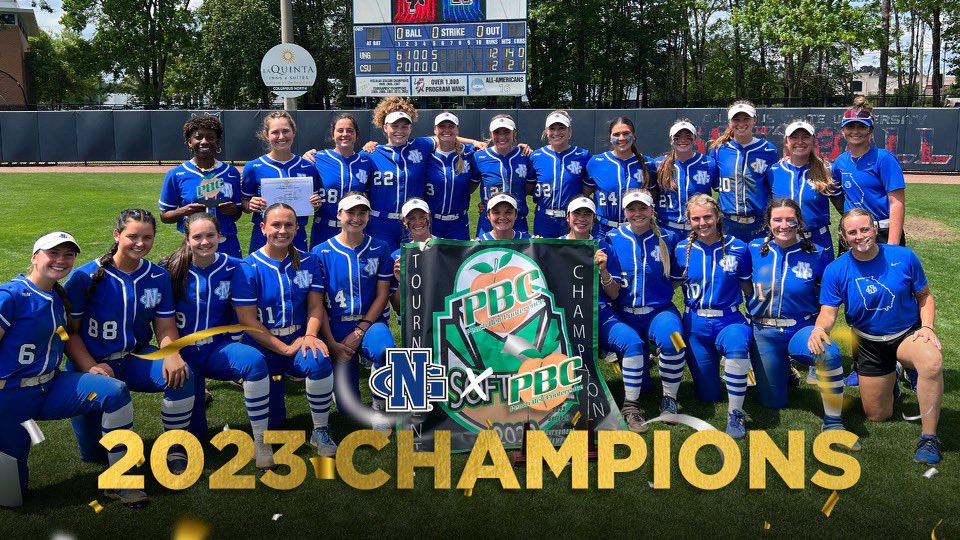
743,160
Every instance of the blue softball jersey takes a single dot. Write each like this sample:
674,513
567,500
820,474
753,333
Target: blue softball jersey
786,282
636,261
276,288
610,177
398,173
699,174
29,318
339,175
504,174
264,167
558,176
744,187
350,275
713,273
185,184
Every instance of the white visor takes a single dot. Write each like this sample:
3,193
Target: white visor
501,198
680,126
498,123
53,240
414,204
579,203
557,118
446,117
806,126
351,201
397,115
741,108
635,196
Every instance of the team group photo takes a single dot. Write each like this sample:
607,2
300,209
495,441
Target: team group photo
759,271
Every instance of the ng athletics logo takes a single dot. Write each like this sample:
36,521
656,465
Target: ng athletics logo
150,298
521,171
410,382
876,296
303,278
574,167
802,270
371,267
702,178
415,156
758,166
223,290
362,176
728,263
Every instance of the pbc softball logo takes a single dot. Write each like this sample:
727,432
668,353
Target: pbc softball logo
409,381
211,186
150,298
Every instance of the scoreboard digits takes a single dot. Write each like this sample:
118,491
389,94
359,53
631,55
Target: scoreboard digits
442,47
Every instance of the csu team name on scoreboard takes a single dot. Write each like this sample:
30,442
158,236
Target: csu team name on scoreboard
473,47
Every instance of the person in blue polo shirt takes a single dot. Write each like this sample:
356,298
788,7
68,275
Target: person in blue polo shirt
871,179
890,308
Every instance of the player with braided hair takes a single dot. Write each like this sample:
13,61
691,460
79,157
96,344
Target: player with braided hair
715,269
787,268
204,184
120,302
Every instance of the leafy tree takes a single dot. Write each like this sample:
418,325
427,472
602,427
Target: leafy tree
64,68
138,38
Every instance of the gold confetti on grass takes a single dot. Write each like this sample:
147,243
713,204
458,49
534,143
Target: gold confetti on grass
323,467
97,507
831,502
191,529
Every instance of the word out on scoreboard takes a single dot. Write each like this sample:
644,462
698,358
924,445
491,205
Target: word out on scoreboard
440,47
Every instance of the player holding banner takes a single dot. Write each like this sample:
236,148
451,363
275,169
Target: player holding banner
33,319
640,261
743,161
558,170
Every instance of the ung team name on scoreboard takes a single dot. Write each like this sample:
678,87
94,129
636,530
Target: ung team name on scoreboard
440,47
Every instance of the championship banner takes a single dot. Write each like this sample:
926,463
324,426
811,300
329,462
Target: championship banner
513,324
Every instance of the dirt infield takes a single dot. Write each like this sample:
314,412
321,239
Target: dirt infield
913,178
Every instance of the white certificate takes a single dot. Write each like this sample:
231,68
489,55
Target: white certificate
295,191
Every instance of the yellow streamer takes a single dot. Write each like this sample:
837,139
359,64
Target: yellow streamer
576,418
190,339
97,507
489,423
191,529
831,502
63,334
766,525
323,467
933,533
677,340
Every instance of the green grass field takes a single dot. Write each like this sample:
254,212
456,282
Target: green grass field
892,499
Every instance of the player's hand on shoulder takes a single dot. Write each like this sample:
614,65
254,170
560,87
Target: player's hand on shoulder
175,371
310,154
370,146
102,369
480,145
525,149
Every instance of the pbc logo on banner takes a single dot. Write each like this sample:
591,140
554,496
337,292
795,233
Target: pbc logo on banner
539,384
410,382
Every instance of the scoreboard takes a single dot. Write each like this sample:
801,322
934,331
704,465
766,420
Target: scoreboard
440,47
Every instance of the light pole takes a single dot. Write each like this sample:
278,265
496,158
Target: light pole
286,36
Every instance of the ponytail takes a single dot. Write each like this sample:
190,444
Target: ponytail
105,261
723,139
459,164
665,173
62,293
664,251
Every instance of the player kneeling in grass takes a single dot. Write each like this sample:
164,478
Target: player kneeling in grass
357,270
120,302
201,289
33,320
278,290
787,269
891,310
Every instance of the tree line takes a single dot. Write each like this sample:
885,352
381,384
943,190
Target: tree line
581,53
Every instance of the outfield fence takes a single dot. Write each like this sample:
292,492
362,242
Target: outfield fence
924,139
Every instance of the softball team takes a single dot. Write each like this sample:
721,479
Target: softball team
308,308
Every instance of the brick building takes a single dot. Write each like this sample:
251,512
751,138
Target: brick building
16,25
